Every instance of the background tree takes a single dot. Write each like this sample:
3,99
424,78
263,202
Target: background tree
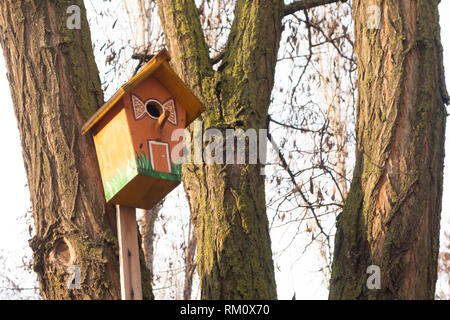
392,212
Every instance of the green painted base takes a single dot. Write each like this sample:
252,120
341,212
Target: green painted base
137,166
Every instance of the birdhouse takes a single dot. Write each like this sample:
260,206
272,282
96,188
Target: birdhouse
132,134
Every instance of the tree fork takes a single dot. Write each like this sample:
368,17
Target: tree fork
227,202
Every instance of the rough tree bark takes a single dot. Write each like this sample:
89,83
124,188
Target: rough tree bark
392,213
227,202
55,87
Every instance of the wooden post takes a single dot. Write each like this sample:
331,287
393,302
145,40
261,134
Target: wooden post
130,269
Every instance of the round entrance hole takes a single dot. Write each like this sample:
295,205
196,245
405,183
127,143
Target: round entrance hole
154,109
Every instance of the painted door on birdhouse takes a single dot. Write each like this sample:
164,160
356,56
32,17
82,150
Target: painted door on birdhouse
159,156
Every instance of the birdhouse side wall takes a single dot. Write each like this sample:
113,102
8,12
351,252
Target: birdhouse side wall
115,150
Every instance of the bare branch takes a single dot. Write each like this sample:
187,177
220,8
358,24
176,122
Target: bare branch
285,166
306,4
216,59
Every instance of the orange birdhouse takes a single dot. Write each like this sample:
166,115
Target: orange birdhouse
132,132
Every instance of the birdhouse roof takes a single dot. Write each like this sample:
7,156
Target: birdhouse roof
159,68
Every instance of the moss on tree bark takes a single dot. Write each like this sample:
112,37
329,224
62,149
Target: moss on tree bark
55,87
227,202
392,213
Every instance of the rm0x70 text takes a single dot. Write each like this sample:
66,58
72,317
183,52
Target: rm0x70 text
247,309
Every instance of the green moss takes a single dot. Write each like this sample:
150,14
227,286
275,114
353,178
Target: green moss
228,209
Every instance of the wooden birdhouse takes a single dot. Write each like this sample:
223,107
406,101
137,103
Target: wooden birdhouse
132,135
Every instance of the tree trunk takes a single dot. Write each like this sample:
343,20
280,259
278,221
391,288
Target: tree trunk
55,87
227,202
392,212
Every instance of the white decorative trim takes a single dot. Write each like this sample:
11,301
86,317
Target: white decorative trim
139,107
169,105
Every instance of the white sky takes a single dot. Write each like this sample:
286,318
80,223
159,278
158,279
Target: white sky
303,278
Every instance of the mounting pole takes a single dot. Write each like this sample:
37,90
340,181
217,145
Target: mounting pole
130,268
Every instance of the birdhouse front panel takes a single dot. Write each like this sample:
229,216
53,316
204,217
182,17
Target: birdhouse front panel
154,115
139,161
